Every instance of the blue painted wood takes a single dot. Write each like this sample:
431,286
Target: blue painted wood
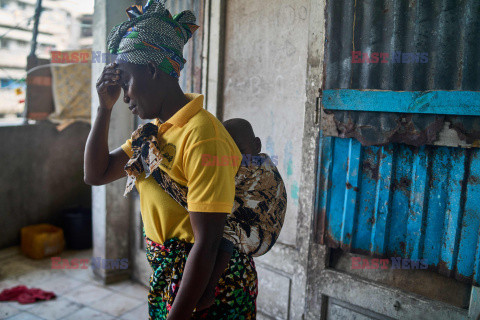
403,201
437,102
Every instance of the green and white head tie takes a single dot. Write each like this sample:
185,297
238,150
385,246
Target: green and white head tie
152,34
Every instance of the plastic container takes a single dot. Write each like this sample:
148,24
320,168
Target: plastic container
77,225
42,240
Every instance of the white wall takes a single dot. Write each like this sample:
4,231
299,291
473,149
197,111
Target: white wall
264,82
265,75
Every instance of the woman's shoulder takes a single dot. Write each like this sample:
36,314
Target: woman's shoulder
204,126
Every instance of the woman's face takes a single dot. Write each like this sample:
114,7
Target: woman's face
142,90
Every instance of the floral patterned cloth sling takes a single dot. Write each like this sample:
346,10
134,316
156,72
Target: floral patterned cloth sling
260,196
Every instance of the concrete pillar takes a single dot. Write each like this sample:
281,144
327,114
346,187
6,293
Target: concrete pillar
213,53
111,211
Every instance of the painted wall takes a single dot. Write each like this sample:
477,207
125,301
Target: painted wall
265,68
110,209
42,173
264,82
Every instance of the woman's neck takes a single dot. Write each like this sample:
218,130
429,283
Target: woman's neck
174,101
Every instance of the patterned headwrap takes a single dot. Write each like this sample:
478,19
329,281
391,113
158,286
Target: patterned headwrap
152,34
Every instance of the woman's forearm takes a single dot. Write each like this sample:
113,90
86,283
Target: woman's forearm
96,155
198,270
221,263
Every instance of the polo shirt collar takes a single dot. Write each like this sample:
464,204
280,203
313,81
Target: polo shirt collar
181,117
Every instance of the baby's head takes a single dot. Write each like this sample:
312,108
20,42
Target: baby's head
242,133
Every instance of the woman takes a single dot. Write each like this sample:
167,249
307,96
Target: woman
149,61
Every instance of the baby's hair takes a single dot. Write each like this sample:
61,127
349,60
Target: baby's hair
239,127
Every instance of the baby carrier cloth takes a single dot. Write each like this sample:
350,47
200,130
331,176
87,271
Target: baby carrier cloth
260,197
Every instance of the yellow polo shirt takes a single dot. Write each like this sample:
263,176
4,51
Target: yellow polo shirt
186,140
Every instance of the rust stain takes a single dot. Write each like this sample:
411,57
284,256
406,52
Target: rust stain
443,268
349,186
464,279
320,227
369,253
330,241
345,247
402,248
325,183
403,184
368,129
474,180
370,168
371,220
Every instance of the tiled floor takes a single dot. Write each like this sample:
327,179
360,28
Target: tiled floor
79,295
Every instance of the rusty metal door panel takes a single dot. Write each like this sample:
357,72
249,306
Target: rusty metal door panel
443,33
392,180
402,201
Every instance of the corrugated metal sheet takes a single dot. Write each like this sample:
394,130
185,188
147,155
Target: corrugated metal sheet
447,31
380,197
402,201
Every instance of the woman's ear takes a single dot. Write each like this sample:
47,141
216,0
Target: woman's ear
257,143
153,70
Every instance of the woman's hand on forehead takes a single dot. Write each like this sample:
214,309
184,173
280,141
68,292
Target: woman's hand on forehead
109,85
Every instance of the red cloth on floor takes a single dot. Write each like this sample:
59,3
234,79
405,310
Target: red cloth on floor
24,295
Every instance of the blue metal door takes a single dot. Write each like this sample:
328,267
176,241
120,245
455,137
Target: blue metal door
401,94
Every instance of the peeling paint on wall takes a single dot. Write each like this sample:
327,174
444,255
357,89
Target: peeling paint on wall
287,159
270,146
294,191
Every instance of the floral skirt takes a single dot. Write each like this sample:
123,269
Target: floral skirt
235,294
